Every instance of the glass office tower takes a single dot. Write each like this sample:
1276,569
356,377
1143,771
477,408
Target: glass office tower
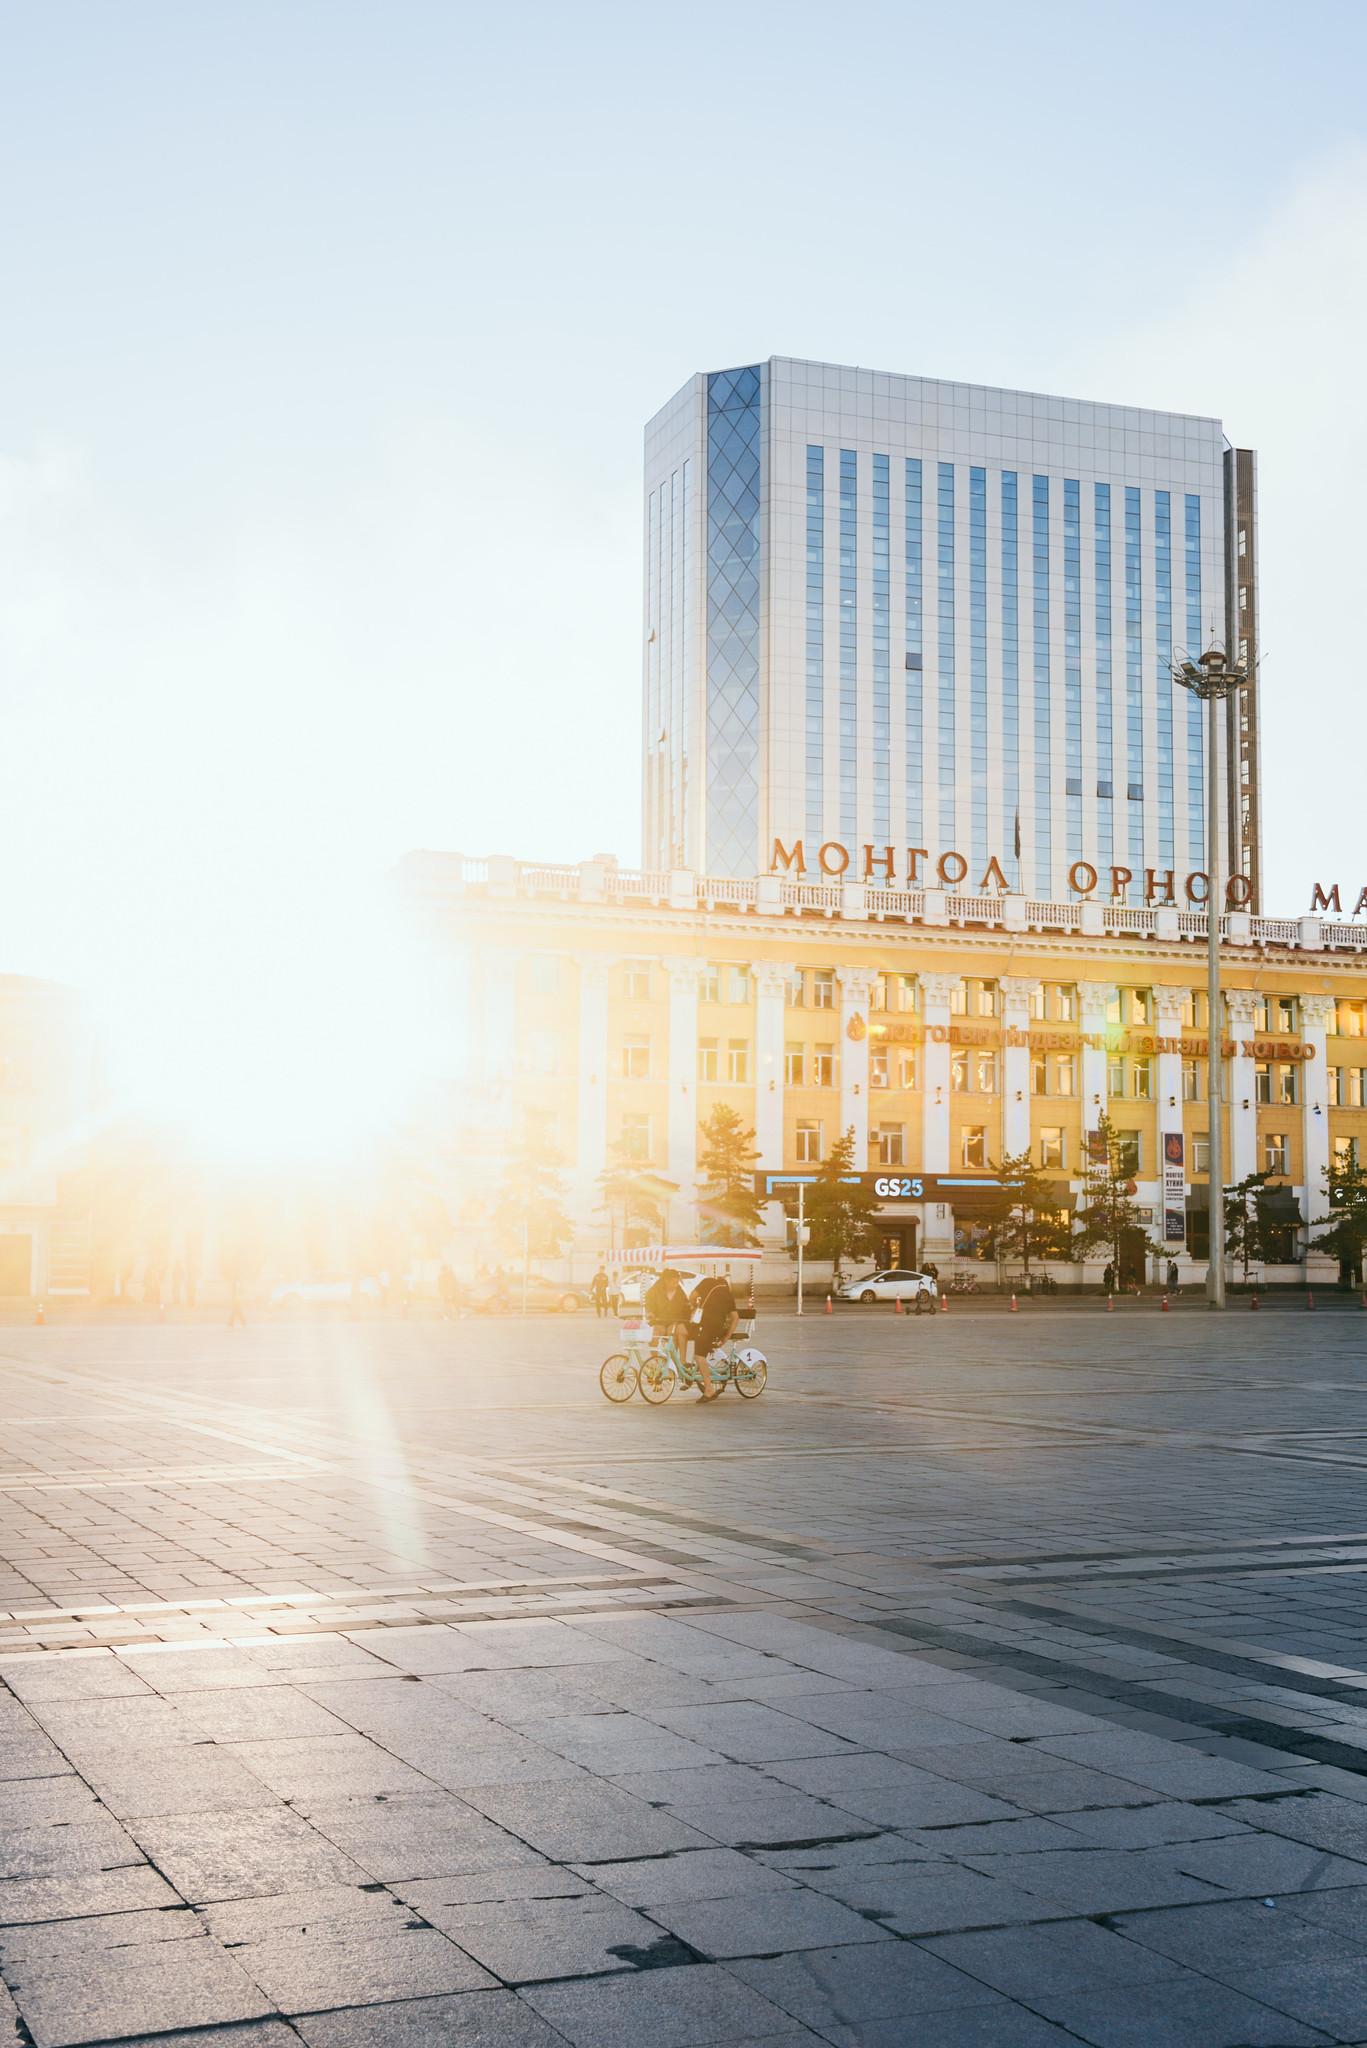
891,611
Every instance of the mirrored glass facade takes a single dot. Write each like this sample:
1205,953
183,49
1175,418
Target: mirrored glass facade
892,612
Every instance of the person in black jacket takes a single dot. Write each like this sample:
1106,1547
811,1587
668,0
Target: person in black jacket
666,1307
714,1318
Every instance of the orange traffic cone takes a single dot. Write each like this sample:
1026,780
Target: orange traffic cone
944,1304
1110,1304
829,1309
39,1317
1165,1304
1255,1303
897,1304
1014,1309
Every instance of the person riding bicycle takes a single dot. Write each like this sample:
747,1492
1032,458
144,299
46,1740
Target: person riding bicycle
666,1307
714,1318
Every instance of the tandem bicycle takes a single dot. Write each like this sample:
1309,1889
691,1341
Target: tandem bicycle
653,1368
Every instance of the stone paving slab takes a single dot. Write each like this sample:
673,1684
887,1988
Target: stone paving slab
988,1705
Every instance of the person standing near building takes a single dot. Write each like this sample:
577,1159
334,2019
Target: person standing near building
599,1290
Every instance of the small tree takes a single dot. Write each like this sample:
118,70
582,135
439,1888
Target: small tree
631,1194
1111,1214
1344,1231
530,1209
1028,1225
1243,1223
730,1208
841,1214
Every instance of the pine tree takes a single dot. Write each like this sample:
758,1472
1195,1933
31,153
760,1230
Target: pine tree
1344,1231
1243,1224
730,1208
1110,1215
1028,1224
530,1209
841,1213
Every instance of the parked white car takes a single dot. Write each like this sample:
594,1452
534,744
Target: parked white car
894,1283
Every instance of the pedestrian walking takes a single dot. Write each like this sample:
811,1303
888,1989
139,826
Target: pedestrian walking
1172,1276
1108,1278
599,1291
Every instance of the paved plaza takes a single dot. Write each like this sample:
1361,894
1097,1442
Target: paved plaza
991,1682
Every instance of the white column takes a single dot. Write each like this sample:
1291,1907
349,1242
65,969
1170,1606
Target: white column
497,1049
592,1149
1015,1076
1093,997
1317,1012
935,993
856,983
1242,1009
681,1133
771,996
1168,1004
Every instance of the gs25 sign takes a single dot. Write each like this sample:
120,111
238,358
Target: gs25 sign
891,1187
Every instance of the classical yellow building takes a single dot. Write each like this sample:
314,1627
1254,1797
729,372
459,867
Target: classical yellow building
601,1014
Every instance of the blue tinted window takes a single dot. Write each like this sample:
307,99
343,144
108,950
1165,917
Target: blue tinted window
733,613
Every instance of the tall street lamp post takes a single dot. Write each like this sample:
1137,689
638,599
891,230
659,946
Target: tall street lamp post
1212,679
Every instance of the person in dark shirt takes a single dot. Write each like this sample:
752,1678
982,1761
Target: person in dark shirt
666,1307
714,1318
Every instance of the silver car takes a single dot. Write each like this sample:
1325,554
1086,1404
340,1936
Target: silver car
894,1283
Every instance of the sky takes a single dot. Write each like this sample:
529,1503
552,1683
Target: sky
330,328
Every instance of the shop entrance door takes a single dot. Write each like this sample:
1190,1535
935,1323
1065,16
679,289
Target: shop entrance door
897,1245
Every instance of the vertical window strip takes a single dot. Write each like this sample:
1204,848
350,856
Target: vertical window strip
1196,731
816,629
657,736
849,645
1134,681
1072,662
1105,710
683,835
945,589
1043,763
977,663
1162,560
1011,787
676,667
882,653
916,817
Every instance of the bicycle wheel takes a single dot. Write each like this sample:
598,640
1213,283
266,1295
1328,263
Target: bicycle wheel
751,1373
657,1379
617,1377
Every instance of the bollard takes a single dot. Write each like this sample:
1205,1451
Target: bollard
829,1309
1014,1309
897,1304
1309,1298
1165,1304
1110,1304
1255,1303
944,1304
39,1316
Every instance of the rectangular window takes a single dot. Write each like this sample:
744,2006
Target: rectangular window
1356,1096
1051,1145
878,1067
823,1066
1286,1085
738,1060
794,1064
1262,1081
1345,1154
958,1070
1193,1080
908,992
1128,1151
1065,1073
1141,1079
909,1070
1288,1014
891,1142
738,985
1349,1018
1116,1071
823,988
1275,1152
1195,1010
1200,1151
636,980
1130,1006
796,989
808,1144
707,1059
636,1058
975,1145
985,1073
1039,1074
635,1140
709,988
